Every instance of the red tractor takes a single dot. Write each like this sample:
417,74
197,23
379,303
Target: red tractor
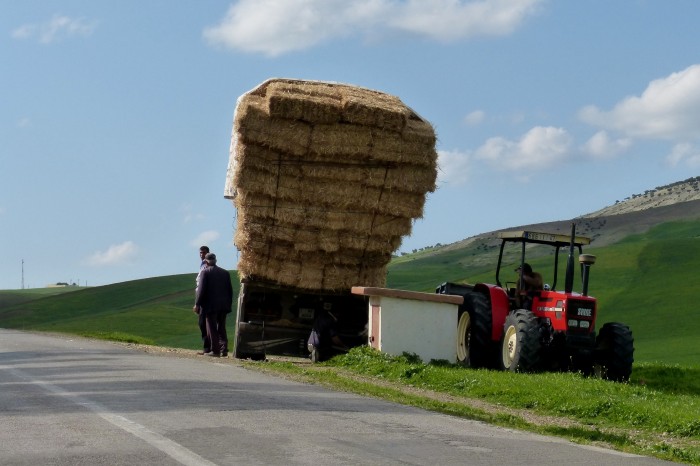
516,328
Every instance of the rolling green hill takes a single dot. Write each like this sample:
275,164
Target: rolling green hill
12,297
645,280
154,310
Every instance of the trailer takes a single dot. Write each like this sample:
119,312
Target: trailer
276,319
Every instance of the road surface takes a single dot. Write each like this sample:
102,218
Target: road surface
69,401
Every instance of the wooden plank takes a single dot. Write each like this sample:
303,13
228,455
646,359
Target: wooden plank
405,294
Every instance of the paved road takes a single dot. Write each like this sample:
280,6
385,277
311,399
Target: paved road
69,401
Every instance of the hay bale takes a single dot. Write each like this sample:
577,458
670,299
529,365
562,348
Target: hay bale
326,179
310,103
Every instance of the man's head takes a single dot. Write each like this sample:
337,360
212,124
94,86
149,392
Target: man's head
203,250
527,270
210,258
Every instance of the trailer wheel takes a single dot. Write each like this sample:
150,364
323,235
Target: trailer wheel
614,352
238,354
521,348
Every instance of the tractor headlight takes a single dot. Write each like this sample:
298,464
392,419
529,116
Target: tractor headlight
573,323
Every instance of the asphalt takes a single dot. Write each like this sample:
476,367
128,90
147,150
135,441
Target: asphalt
72,401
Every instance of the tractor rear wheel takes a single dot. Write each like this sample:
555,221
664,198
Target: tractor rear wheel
614,352
474,332
521,347
480,348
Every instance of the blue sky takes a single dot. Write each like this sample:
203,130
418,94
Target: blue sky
115,117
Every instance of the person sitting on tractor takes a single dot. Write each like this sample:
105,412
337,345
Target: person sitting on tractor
529,280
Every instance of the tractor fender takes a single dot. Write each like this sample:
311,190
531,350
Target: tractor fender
500,307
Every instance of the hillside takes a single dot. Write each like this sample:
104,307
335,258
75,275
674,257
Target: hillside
633,215
675,193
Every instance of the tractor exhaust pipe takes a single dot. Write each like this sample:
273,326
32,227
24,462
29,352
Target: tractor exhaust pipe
586,260
569,281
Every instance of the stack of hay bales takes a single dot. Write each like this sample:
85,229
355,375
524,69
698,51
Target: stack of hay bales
326,179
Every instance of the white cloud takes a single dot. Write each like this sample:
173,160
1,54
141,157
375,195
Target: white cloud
116,254
453,167
669,108
474,118
684,152
204,238
541,147
274,27
450,20
24,122
55,29
601,146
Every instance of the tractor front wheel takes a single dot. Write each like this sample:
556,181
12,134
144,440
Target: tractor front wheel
464,330
614,352
521,347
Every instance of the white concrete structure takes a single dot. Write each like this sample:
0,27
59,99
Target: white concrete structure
409,321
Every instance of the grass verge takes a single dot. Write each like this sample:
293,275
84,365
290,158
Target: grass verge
648,416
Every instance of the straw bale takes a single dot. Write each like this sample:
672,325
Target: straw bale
258,236
404,177
419,130
315,272
335,196
346,257
255,126
310,88
371,108
311,103
263,210
253,157
344,142
415,150
343,242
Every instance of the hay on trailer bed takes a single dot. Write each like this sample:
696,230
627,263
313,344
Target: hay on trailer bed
326,179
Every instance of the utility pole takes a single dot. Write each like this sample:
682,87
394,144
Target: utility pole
22,273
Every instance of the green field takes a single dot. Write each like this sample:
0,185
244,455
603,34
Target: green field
156,311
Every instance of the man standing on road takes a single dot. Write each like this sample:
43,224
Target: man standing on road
206,345
214,300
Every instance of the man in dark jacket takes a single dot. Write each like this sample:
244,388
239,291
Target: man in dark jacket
203,250
214,300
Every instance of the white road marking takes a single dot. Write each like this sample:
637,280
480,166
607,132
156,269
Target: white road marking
173,449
